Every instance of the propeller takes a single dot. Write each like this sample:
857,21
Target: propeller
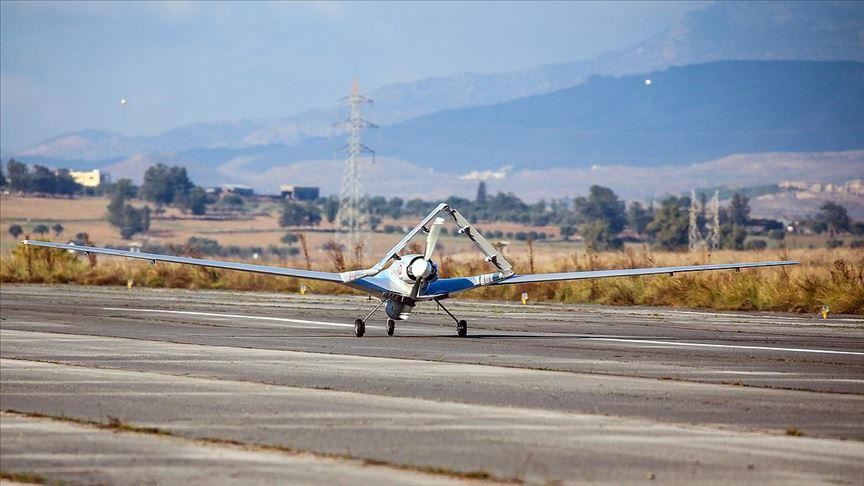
422,268
432,238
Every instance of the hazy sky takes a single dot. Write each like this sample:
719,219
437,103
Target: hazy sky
65,66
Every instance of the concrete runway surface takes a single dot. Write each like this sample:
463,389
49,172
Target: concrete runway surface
206,386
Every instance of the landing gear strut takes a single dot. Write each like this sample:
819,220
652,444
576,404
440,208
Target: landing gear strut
461,324
360,324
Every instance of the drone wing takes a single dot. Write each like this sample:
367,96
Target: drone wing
242,267
634,272
446,286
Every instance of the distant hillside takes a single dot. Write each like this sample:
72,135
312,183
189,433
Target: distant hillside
721,31
686,115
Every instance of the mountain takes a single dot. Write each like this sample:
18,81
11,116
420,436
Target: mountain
685,115
721,31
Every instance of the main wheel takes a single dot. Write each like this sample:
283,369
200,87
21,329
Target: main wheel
359,327
391,327
462,328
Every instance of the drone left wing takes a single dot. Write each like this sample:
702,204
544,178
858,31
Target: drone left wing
634,272
446,286
153,257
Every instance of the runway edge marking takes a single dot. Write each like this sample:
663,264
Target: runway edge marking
728,346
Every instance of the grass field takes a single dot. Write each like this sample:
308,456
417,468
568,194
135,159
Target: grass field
88,215
825,277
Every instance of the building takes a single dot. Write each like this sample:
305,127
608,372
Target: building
89,178
299,193
238,189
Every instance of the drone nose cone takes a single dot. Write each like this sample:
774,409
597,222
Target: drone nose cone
421,268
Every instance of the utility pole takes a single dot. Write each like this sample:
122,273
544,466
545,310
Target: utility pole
353,216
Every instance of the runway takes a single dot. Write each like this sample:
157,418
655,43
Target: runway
202,386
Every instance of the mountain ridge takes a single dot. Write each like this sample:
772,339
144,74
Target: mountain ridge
776,30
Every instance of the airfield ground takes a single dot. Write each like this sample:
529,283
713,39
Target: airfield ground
103,385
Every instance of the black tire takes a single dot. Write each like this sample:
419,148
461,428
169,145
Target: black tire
359,328
391,327
462,328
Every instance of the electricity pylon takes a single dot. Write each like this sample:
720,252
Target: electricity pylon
694,235
353,216
714,234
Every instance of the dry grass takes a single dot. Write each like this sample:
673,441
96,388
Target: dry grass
825,277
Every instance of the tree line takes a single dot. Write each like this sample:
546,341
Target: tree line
38,179
601,219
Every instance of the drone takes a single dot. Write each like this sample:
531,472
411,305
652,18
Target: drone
401,281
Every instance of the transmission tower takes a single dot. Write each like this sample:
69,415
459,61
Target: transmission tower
353,216
714,234
694,235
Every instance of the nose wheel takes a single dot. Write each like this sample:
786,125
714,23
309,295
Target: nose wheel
391,327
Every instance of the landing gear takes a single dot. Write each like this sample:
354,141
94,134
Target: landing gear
461,325
360,324
391,327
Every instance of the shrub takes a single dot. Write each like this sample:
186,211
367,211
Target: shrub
756,245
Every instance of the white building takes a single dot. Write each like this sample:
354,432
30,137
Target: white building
88,178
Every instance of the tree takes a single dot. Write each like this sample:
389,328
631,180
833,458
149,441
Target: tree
165,185
638,217
602,204
394,206
194,201
733,223
481,194
599,237
604,218
127,218
2,177
42,180
331,208
64,183
732,236
41,229
299,214
739,210
57,228
567,230
835,217
15,230
289,238
124,188
232,201
19,176
670,224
